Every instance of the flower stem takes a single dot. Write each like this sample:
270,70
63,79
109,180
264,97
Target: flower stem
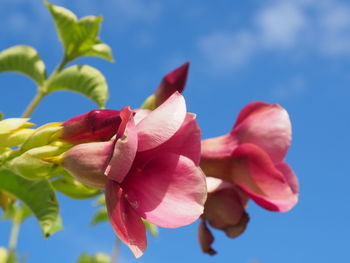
14,234
115,253
42,91
33,104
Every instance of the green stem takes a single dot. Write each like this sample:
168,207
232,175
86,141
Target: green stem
115,253
58,69
14,234
40,95
33,104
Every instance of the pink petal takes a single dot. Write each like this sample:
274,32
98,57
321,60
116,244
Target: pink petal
218,147
290,176
169,191
217,167
267,126
125,114
87,161
162,123
255,173
140,115
249,109
126,223
186,141
124,154
174,81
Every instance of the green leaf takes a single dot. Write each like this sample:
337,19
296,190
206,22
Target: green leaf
97,258
79,37
24,60
100,50
38,195
100,216
1,115
83,79
70,187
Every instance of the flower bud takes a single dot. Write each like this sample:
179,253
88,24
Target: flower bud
172,82
33,164
42,136
96,125
14,131
3,255
225,207
224,210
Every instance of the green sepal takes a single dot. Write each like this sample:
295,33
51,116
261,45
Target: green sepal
150,103
151,228
70,187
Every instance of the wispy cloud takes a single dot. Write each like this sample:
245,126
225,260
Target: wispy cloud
334,24
225,50
289,89
137,9
280,25
321,27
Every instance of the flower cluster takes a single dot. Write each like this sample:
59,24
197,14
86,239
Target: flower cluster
147,162
153,166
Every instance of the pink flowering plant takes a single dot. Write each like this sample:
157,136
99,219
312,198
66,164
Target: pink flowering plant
147,166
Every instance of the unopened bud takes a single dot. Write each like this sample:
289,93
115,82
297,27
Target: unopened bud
94,126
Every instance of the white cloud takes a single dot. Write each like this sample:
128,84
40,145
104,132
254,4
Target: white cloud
280,25
137,9
335,29
225,50
295,87
313,27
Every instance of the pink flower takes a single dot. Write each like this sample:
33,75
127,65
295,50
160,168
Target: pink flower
224,210
149,170
252,156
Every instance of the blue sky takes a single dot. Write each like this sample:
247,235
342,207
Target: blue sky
292,52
